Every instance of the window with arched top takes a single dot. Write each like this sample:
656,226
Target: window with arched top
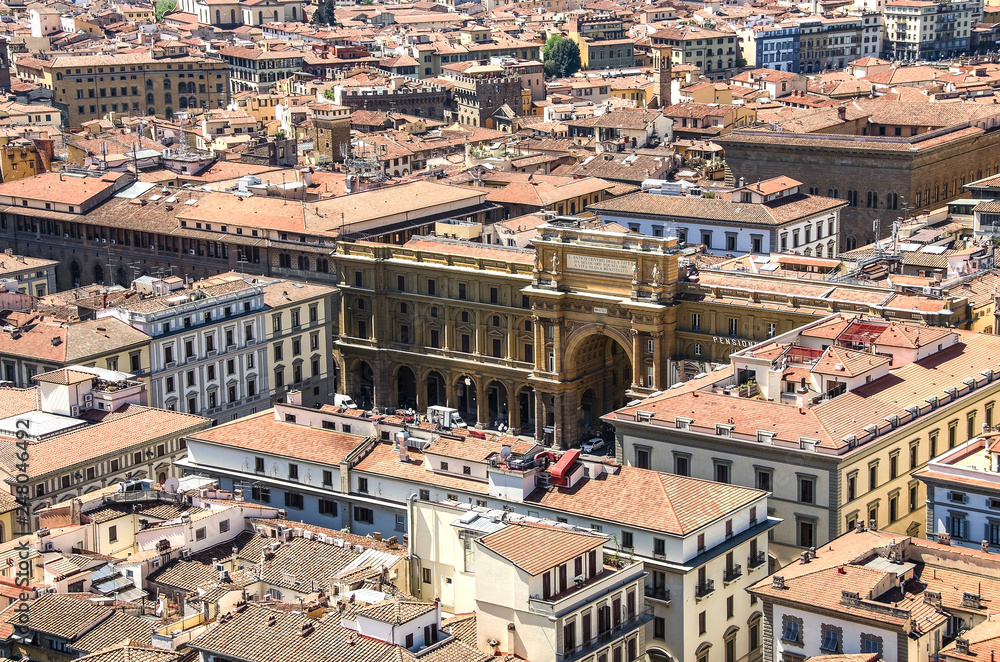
303,263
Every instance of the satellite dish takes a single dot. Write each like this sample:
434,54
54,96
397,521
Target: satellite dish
171,484
505,452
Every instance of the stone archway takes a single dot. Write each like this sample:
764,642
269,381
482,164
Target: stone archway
362,384
436,389
599,366
406,388
467,399
498,408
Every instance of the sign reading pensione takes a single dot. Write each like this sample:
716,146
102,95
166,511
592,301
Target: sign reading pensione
602,265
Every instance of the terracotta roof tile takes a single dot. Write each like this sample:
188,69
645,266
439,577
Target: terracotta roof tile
536,548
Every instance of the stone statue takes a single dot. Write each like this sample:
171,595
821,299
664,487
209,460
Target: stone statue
555,264
538,261
635,273
657,281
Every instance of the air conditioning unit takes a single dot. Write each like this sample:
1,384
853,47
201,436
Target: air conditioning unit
74,410
191,251
104,241
88,400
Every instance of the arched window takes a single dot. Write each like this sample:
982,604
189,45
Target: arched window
150,99
169,113
182,103
295,14
303,263
819,251
218,16
323,265
232,15
892,201
284,260
873,199
260,17
192,102
166,83
852,198
167,97
852,242
149,83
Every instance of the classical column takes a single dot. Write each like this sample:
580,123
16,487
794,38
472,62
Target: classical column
447,334
636,361
557,347
480,335
482,403
511,339
539,343
421,395
513,410
559,426
539,417
450,394
658,381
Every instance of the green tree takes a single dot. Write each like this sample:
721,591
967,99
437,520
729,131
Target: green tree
164,7
566,56
550,43
325,13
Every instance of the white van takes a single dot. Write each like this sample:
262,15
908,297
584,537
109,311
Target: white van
448,417
341,400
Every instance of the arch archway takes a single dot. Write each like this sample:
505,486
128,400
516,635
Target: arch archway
121,277
599,365
363,384
74,273
98,274
658,655
466,401
525,410
406,388
498,410
436,392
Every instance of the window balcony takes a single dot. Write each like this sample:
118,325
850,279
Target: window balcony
658,593
757,560
616,632
702,590
732,574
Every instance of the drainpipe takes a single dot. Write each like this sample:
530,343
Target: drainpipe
415,584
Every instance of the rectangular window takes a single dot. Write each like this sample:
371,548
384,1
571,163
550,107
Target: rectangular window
293,500
682,465
327,507
722,472
807,488
113,534
364,515
293,472
258,464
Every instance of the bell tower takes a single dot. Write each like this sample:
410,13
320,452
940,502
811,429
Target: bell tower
661,76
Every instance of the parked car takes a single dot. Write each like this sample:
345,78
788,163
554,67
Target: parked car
593,445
